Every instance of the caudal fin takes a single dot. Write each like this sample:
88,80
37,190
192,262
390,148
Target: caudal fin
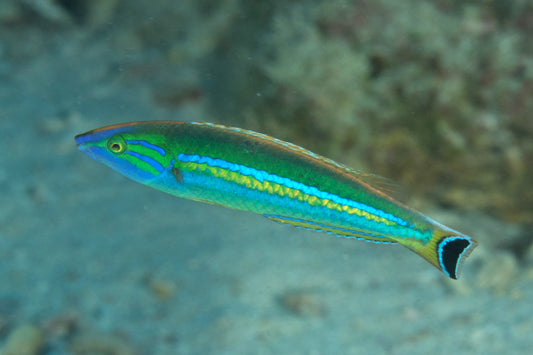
452,251
446,250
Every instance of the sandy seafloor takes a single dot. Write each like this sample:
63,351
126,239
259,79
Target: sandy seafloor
98,264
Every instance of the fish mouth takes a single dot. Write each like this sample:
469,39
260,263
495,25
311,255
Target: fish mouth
85,141
79,144
84,144
82,139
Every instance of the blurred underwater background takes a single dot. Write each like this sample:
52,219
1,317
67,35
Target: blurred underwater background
434,95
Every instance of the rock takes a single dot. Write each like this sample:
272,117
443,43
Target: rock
49,10
162,289
88,344
99,12
24,340
528,256
10,11
61,326
302,303
90,12
498,272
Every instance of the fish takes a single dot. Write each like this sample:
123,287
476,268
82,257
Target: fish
250,171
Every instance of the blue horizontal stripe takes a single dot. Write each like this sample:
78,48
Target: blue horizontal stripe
154,163
261,176
157,148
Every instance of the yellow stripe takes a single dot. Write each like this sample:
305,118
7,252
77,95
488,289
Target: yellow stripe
281,190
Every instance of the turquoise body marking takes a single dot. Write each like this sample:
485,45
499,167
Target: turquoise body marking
310,190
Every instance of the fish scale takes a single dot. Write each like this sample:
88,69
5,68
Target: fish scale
250,171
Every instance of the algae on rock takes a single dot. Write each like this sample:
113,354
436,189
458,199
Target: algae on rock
433,94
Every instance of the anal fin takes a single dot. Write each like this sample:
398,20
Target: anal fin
338,231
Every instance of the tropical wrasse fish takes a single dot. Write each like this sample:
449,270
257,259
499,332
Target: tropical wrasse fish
250,171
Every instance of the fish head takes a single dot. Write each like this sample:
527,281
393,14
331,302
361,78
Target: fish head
135,152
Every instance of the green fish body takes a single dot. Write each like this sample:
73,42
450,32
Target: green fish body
249,171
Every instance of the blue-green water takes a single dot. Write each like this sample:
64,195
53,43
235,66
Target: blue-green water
93,263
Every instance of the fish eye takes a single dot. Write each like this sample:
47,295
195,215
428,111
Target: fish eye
116,144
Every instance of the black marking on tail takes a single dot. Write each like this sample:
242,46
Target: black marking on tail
450,251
